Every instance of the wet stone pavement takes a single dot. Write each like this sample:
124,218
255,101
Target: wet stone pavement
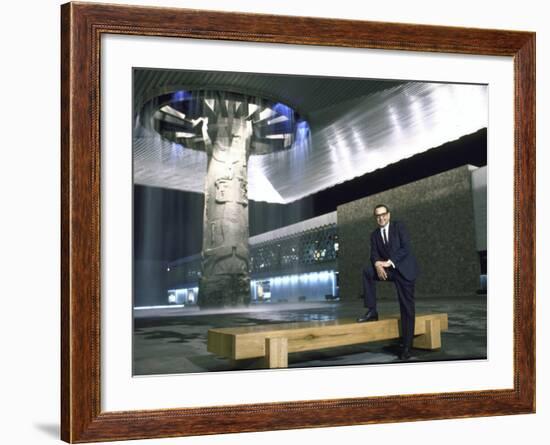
173,340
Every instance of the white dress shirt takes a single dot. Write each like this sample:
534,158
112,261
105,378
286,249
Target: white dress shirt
386,228
387,237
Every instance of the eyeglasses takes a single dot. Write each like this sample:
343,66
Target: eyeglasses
380,215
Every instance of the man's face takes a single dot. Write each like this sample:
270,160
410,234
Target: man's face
382,216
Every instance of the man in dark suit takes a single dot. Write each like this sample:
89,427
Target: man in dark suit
391,259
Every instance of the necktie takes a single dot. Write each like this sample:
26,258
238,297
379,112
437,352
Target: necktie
385,235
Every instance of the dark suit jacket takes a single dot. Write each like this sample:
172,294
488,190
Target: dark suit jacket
398,250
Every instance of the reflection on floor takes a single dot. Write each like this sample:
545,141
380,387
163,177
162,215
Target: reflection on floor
173,340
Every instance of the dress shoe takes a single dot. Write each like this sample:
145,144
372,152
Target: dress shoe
405,354
369,316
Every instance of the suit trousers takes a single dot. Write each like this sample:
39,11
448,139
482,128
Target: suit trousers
405,296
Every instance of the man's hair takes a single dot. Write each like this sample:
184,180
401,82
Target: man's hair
380,206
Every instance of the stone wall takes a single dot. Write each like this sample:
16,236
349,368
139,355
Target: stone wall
439,214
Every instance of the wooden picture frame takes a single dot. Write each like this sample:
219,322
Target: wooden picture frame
82,26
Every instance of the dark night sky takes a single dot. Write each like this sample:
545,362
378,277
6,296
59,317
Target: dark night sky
168,223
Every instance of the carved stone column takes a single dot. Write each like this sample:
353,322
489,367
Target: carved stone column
229,127
225,277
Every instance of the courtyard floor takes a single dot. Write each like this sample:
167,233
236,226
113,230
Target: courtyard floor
173,340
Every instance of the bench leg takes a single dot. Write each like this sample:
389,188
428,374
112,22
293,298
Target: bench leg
276,352
431,339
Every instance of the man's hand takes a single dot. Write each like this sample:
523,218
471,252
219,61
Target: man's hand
387,263
381,271
380,267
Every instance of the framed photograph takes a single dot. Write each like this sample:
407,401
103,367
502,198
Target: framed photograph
275,222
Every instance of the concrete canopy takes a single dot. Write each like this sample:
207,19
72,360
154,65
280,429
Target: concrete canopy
354,126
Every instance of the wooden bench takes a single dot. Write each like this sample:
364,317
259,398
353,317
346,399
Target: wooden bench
273,342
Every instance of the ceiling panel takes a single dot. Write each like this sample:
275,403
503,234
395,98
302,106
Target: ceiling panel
356,126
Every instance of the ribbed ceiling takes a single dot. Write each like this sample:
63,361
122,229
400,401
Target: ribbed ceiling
357,126
305,94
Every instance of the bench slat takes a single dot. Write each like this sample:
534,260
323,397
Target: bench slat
249,341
